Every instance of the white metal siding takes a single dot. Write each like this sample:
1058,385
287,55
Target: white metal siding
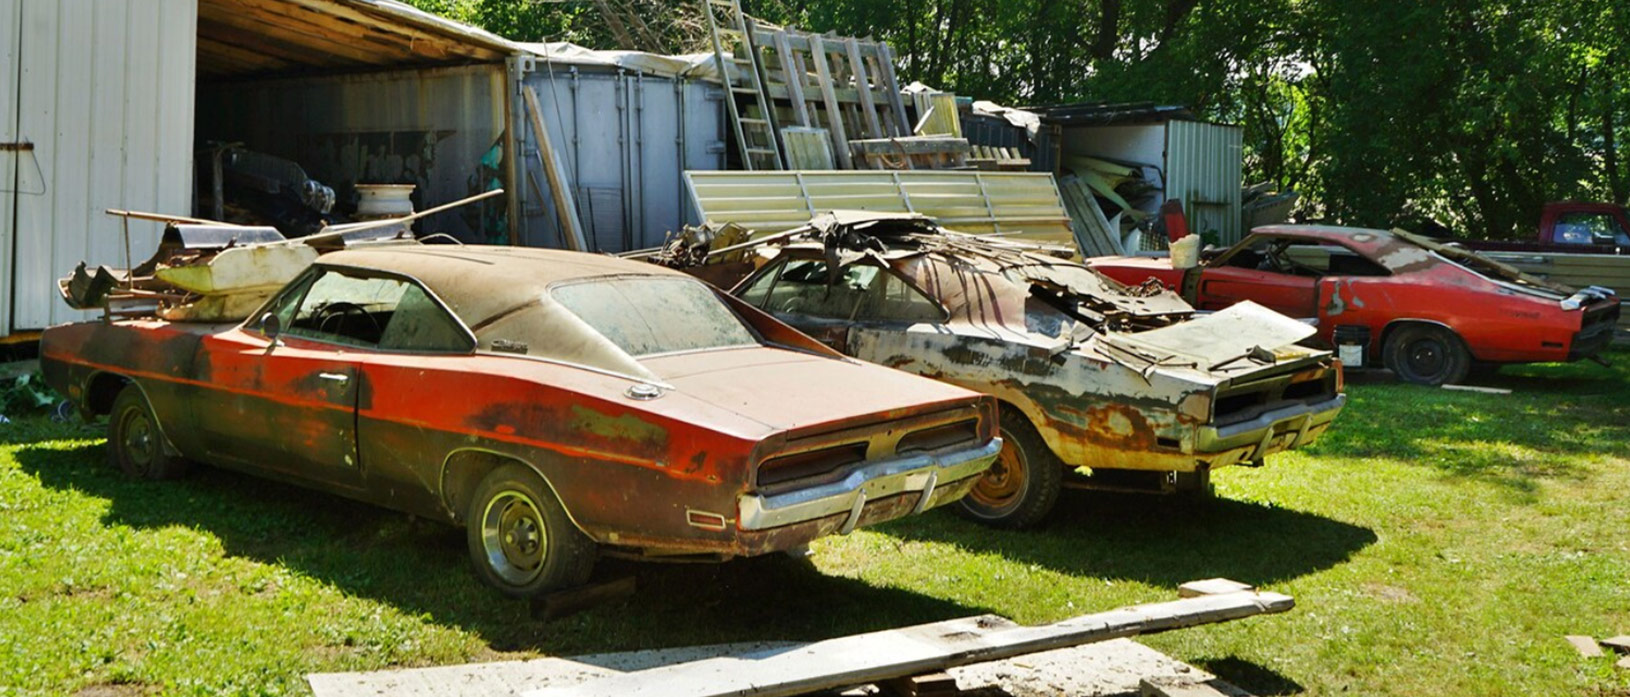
106,96
1203,162
10,37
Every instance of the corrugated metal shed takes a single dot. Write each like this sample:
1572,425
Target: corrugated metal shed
626,140
1203,170
105,95
11,27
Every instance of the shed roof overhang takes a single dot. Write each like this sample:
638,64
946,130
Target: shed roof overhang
267,38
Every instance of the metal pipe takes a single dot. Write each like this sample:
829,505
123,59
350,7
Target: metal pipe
638,231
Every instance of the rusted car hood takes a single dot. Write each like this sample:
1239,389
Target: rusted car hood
788,390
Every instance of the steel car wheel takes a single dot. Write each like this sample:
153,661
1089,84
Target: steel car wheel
513,537
1022,486
520,538
1426,355
135,443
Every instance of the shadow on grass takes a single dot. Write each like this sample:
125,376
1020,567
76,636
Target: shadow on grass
1539,431
1158,540
1256,679
422,567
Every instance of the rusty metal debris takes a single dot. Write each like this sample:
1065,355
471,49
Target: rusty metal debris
1125,380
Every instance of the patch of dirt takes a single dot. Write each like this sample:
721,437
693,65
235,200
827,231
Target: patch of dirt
1390,594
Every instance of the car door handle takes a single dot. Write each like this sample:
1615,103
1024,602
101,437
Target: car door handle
341,378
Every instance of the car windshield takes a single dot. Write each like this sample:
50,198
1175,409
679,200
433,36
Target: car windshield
648,316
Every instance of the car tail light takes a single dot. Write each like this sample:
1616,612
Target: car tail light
937,437
809,464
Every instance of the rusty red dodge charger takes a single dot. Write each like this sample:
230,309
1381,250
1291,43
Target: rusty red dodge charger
557,405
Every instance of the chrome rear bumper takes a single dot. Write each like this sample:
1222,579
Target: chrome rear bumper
919,472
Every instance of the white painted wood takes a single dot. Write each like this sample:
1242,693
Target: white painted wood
867,658
10,48
106,95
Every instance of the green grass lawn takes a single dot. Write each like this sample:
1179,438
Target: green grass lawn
1437,543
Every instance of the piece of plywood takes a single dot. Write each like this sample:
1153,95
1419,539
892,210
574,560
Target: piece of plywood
1212,586
1586,646
807,148
877,656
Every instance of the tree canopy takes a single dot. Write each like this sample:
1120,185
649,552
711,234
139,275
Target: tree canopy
1470,113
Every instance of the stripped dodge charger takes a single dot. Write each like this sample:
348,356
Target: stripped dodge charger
557,405
1089,373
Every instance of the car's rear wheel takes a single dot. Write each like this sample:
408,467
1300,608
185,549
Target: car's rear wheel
1426,354
135,443
520,539
1022,487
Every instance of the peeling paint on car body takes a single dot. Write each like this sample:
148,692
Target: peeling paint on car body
406,429
1096,398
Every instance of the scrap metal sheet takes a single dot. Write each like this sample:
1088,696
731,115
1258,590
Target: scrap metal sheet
1220,336
1022,205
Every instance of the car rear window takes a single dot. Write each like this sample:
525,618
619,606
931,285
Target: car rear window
648,316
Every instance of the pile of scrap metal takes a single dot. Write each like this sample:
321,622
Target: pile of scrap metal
210,272
1107,202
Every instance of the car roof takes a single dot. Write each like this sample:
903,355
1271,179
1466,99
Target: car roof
1367,241
501,294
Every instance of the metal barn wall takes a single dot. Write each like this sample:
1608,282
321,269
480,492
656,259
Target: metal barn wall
428,127
1203,163
105,94
11,24
625,141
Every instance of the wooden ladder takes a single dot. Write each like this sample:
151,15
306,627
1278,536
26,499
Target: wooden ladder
754,123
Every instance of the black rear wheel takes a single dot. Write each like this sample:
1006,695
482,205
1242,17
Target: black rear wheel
1426,354
135,443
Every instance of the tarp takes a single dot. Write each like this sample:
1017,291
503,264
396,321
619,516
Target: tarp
695,65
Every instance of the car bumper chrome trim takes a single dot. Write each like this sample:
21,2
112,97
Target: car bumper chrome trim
918,472
1261,430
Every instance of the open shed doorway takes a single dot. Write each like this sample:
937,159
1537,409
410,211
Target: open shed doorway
339,93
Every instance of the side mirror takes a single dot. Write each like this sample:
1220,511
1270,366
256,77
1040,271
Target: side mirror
271,325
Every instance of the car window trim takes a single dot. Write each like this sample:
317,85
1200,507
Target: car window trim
366,272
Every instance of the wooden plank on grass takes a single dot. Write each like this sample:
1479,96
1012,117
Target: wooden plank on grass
870,658
1585,645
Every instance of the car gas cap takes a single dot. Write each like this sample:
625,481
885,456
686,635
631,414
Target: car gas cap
643,392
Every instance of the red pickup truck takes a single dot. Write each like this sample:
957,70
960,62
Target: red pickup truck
1572,227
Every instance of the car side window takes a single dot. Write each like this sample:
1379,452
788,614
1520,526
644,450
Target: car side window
1589,228
803,287
1312,258
375,311
891,298
860,291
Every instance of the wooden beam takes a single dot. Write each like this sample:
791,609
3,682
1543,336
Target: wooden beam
857,65
571,228
869,658
795,80
834,110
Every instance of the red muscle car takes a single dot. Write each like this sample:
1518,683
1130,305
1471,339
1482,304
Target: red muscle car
555,404
1425,311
